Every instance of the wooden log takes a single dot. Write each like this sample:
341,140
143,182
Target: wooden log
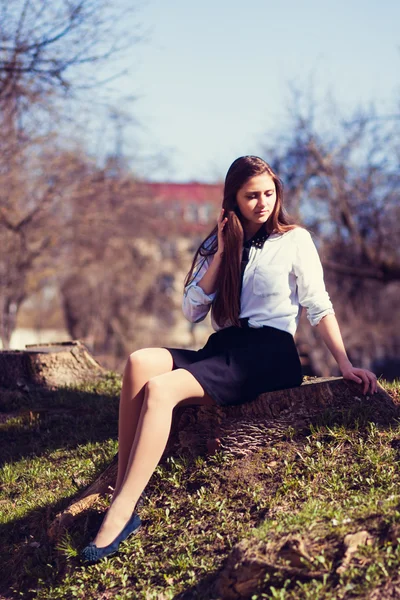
48,365
240,430
98,488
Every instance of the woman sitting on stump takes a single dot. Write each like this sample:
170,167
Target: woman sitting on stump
255,270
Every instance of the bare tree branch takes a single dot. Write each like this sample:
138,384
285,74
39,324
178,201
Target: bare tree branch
43,44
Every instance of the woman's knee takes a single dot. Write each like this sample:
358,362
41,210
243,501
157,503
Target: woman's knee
137,360
149,362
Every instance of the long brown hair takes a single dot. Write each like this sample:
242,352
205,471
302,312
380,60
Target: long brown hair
226,304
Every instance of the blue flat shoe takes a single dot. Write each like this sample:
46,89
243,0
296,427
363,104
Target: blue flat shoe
92,553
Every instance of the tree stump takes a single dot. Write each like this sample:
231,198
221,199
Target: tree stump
241,430
48,365
246,566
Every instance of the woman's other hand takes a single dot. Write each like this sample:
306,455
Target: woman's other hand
362,376
221,224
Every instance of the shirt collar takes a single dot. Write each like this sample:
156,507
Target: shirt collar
258,238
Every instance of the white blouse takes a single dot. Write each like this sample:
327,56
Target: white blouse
279,279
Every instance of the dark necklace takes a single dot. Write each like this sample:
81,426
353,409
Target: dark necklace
258,242
258,238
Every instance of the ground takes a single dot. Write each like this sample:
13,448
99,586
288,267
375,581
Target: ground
290,505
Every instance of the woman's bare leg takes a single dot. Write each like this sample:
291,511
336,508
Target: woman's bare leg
162,394
141,366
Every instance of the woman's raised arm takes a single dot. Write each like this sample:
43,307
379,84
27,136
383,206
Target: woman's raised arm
200,293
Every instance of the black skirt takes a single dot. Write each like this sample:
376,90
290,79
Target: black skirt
239,363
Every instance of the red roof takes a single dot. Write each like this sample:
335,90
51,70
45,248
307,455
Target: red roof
194,192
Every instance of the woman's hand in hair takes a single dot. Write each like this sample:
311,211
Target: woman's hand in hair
221,224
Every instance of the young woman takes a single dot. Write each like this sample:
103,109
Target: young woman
255,270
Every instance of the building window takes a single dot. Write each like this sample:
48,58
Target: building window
191,213
205,212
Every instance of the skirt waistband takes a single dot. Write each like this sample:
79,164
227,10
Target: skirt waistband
244,322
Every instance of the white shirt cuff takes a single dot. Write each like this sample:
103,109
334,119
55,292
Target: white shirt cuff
316,317
198,295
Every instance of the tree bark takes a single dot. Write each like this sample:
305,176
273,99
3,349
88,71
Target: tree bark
241,430
48,365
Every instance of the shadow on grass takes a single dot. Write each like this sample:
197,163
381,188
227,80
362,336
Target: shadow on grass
67,419
203,590
44,421
30,561
50,425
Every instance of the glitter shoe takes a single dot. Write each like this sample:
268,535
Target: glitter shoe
92,553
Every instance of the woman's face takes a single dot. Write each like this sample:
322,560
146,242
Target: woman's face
256,200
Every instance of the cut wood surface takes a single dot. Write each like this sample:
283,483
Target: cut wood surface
48,365
241,430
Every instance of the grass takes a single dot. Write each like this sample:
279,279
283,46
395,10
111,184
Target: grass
337,479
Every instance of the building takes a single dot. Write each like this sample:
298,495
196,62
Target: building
189,206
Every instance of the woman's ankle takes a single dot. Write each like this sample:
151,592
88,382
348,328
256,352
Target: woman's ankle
122,506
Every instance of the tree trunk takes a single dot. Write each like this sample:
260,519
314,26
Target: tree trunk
7,322
240,430
47,365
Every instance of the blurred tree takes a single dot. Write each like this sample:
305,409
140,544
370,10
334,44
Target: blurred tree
34,181
115,278
46,47
343,181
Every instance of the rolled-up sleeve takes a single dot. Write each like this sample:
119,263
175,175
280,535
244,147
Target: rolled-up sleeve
196,303
310,279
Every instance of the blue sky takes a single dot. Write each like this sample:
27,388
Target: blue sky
212,78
